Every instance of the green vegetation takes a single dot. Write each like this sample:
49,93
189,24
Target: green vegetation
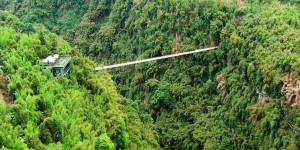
81,110
201,101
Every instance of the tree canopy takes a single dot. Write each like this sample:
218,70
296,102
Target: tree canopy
244,95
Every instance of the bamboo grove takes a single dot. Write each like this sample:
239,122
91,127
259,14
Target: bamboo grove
244,95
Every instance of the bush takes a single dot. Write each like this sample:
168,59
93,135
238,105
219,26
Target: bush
19,115
50,131
104,143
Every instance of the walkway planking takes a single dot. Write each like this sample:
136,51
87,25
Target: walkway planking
153,59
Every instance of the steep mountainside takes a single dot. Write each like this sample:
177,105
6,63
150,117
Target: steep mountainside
81,110
245,95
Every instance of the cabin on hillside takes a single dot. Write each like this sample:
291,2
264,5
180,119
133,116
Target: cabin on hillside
58,64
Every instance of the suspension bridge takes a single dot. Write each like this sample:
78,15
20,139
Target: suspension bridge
154,59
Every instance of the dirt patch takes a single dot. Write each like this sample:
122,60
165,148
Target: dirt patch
291,90
176,45
262,96
254,114
222,85
146,97
3,92
239,2
211,41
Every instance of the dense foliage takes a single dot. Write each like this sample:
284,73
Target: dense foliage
193,102
81,110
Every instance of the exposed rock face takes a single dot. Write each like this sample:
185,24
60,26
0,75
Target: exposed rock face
222,84
291,90
262,97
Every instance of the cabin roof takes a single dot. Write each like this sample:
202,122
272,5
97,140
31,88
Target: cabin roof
57,61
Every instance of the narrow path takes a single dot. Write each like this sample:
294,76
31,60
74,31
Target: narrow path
153,59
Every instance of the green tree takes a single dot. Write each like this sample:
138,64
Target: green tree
161,97
104,143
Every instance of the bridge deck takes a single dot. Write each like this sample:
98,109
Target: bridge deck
153,59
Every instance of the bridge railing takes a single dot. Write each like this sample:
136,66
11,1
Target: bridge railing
155,58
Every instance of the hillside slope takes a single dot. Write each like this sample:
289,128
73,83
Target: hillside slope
81,110
237,96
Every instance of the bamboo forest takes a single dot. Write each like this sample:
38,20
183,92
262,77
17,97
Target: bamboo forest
230,77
